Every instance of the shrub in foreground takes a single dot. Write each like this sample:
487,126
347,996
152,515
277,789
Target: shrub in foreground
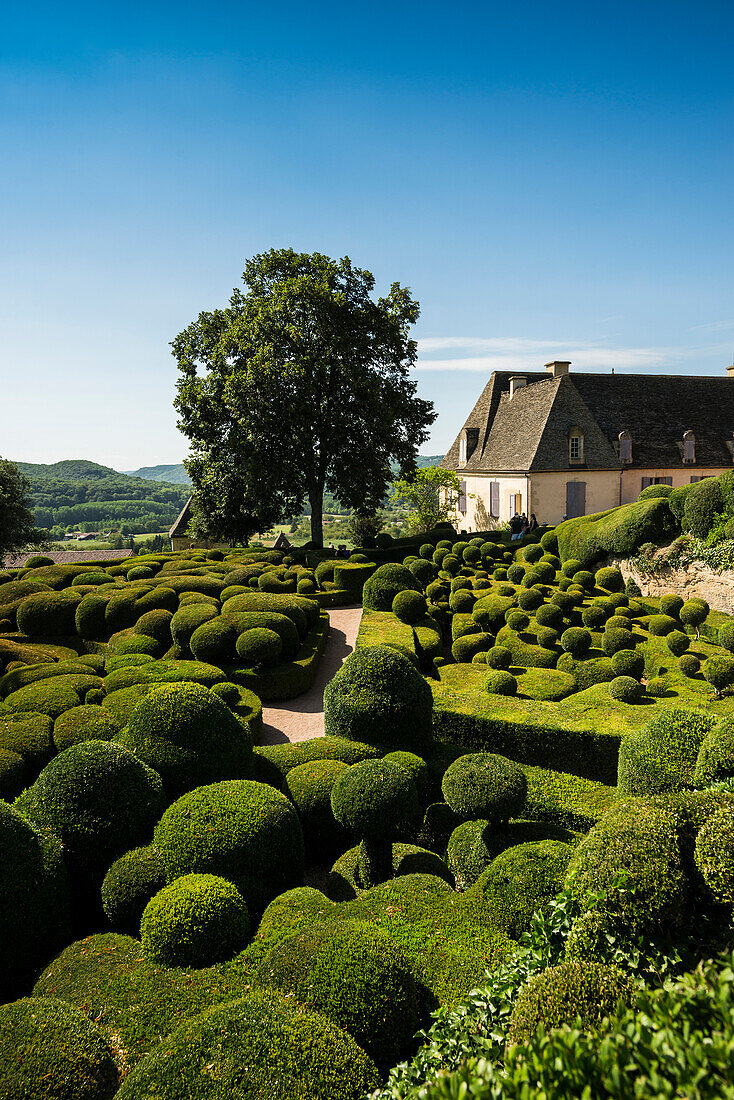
662,756
128,886
195,921
520,881
572,990
484,785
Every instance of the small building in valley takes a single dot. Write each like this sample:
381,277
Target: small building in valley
564,444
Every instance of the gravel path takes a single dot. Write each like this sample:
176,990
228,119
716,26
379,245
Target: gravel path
302,718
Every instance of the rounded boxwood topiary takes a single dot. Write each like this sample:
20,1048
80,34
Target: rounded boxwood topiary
383,586
515,573
570,567
625,689
355,976
128,886
49,1050
703,503
484,785
155,624
99,800
461,601
195,921
549,614
214,641
715,761
715,853
594,616
48,613
719,672
616,638
725,636
576,641
572,990
693,613
86,723
584,579
661,625
628,662
671,604
259,646
409,606
376,800
689,665
520,881
416,768
532,553
379,698
662,756
609,578
272,1048
467,647
633,857
529,599
499,657
501,682
547,637
677,642
309,787
243,831
34,916
517,620
474,845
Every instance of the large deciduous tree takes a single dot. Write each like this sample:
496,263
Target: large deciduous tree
17,527
300,385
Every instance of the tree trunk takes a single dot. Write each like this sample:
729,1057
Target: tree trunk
316,500
375,861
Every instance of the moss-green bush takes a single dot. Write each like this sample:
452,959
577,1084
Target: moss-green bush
465,648
309,786
715,854
484,785
628,662
50,1051
48,613
715,760
261,1047
214,641
703,503
99,800
693,613
576,641
187,620
409,606
616,638
416,767
719,672
500,682
633,855
521,881
345,879
570,991
662,755
618,531
86,723
378,697
155,624
498,657
189,735
241,830
355,976
128,886
54,695
474,845
34,916
609,578
259,646
195,921
383,586
625,689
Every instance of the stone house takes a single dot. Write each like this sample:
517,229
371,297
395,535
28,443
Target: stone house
564,444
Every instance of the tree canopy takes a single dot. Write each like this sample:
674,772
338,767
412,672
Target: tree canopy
17,528
430,494
300,385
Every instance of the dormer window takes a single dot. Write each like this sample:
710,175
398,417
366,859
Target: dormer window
625,447
689,448
462,450
575,446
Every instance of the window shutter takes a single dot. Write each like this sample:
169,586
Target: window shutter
462,496
665,480
645,482
494,499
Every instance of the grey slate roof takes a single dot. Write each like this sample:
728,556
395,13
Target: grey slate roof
530,431
181,525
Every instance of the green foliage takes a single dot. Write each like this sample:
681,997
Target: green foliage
309,786
719,672
498,657
500,682
640,839
703,502
415,766
378,697
375,798
86,723
214,641
128,886
34,917
520,881
715,853
573,990
430,496
484,785
625,689
274,1049
662,755
50,1051
474,845
17,524
661,625
194,921
259,646
465,648
340,378
48,613
619,531
409,606
576,641
243,831
715,760
384,585
628,662
99,800
354,976
609,578
694,612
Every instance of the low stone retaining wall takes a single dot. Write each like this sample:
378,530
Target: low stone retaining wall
693,579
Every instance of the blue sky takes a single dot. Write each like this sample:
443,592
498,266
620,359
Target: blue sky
552,181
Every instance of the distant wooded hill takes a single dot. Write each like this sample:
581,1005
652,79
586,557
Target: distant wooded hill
176,474
80,495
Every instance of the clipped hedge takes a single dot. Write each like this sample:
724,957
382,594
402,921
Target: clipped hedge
195,921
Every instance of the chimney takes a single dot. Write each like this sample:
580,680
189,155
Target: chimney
517,382
558,368
730,371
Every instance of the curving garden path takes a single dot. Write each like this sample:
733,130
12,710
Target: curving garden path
302,718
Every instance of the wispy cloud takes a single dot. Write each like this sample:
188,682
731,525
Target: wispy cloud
715,326
516,353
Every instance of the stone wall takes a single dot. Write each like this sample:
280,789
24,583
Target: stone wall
693,579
